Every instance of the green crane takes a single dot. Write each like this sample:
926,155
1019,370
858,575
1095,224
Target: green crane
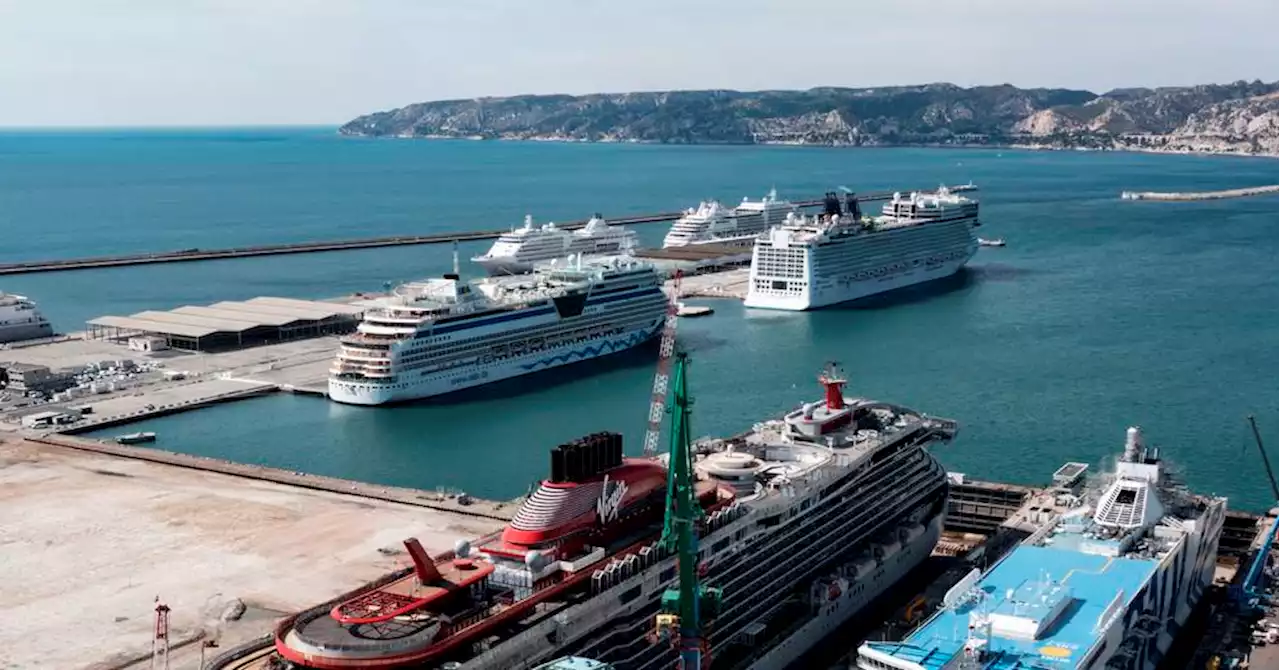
692,605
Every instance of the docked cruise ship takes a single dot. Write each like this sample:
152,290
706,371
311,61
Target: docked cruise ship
712,223
808,517
21,320
522,248
1107,582
841,255
442,335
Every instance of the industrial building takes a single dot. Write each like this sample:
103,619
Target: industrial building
230,324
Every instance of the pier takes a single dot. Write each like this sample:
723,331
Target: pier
1203,195
196,254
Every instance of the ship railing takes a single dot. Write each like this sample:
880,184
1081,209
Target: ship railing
825,529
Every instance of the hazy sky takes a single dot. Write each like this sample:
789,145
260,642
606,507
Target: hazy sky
192,62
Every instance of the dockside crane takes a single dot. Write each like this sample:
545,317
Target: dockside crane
688,608
1247,592
666,349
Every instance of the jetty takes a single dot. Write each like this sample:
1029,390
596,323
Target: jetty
1203,195
197,254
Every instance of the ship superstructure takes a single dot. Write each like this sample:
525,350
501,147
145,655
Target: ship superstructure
841,255
806,518
20,319
711,222
521,249
442,335
1106,583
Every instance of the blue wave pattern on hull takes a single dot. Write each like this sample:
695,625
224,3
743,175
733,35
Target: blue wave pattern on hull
590,351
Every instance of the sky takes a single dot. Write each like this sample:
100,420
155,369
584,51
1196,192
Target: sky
266,62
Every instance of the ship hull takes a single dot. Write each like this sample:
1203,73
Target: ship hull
20,332
1144,633
426,386
837,612
613,625
842,290
808,266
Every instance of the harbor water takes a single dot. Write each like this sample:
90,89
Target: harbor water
1100,313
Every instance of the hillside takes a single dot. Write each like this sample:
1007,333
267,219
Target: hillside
1235,118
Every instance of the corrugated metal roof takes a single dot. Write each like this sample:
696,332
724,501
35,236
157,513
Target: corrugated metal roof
229,316
145,325
336,308
261,319
297,312
225,325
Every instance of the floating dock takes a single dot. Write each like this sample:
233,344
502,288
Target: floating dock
196,254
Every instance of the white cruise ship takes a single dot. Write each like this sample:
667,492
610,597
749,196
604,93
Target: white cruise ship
20,320
441,335
838,256
1107,582
809,516
518,251
713,223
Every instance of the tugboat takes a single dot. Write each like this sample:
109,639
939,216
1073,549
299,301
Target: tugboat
998,242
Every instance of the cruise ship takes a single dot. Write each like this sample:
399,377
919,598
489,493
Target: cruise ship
841,255
712,223
518,251
1107,582
21,320
807,518
441,335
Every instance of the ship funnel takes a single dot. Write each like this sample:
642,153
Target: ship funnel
586,457
422,563
834,382
851,205
1133,444
831,204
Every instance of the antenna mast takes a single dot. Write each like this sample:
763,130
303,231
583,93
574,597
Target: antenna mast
456,267
160,643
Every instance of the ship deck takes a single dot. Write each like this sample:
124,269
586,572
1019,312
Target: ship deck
1093,582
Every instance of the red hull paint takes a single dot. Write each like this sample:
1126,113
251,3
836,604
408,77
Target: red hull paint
470,633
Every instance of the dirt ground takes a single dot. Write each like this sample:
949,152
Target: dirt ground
88,542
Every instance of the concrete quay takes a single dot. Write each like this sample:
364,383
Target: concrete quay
208,378
725,284
94,534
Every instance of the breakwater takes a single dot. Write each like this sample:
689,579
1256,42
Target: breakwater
1203,195
196,254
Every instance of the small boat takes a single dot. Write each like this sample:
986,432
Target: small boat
135,438
692,310
998,242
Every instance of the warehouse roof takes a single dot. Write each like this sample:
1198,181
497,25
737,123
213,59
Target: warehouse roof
229,316
131,323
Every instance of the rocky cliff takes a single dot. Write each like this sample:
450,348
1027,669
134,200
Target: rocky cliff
1236,118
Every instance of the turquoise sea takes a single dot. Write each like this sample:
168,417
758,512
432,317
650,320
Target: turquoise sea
1099,314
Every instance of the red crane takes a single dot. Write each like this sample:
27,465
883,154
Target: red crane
657,407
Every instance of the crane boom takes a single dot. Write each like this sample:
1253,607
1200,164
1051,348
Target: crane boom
690,606
658,404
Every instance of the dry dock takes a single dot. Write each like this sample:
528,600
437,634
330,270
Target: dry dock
90,540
